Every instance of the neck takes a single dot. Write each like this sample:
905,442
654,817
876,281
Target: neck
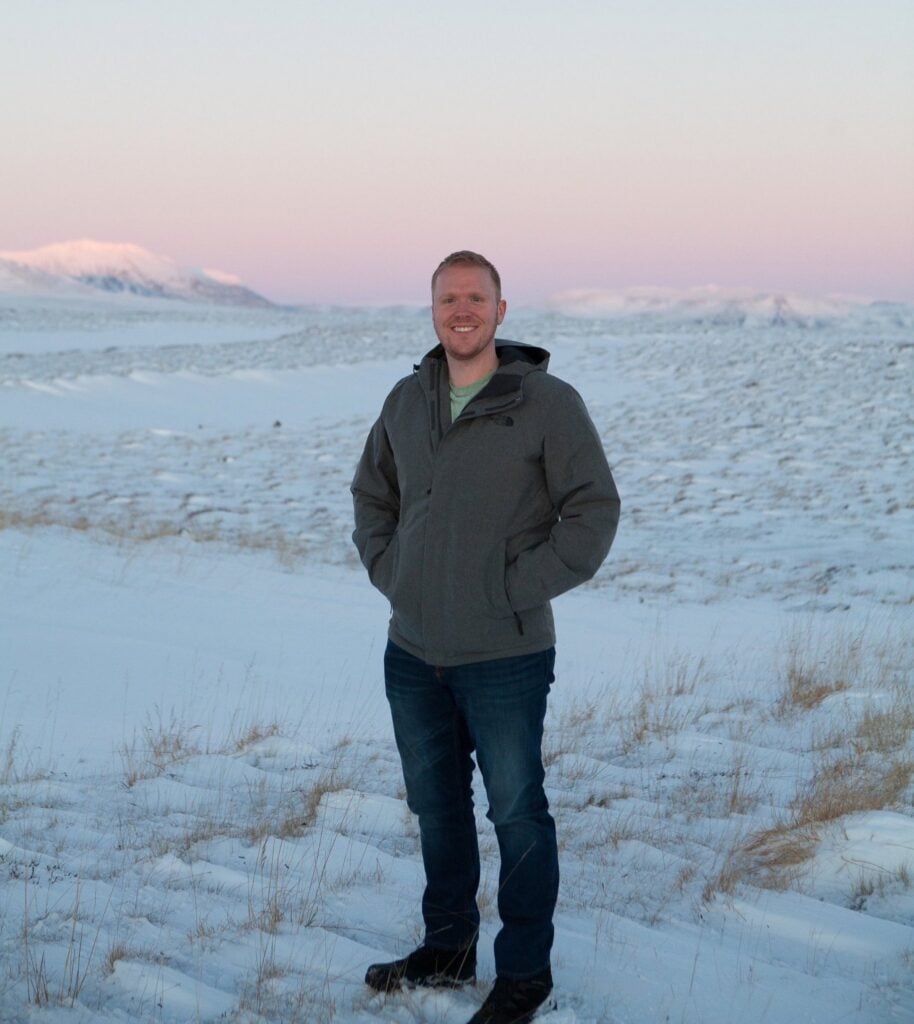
463,373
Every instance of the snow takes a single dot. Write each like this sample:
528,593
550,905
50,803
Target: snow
201,808
88,257
87,266
711,304
221,276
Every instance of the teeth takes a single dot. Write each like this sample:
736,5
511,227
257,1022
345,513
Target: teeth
463,330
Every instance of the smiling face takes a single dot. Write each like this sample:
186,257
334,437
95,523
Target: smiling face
466,310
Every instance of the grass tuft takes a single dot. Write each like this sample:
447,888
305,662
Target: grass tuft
815,671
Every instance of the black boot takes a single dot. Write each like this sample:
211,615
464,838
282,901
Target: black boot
515,1002
425,966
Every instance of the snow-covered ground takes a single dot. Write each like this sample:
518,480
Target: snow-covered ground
201,810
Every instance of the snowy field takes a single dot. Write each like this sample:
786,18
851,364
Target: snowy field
201,811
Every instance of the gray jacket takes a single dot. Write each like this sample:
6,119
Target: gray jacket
470,528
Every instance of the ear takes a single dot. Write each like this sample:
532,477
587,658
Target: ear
502,309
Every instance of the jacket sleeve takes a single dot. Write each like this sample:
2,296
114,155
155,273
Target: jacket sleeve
586,502
376,500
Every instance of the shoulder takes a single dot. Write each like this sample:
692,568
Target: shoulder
557,409
540,386
404,393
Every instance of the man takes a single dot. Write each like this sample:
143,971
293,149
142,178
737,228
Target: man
482,493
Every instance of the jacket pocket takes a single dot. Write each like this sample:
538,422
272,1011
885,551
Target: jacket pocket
384,570
405,585
496,591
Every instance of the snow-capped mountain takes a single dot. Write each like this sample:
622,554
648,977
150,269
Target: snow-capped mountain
88,268
712,306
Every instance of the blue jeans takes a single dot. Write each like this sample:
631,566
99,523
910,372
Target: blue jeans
440,716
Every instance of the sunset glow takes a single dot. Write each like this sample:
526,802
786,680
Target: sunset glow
334,153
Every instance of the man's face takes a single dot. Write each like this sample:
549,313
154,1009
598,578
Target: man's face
465,311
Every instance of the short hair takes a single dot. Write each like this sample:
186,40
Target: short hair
466,258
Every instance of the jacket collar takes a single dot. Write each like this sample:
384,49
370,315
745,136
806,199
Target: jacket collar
504,391
515,360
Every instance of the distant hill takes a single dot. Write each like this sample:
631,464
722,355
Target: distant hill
714,306
89,268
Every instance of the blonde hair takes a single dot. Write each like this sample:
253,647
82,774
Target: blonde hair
467,258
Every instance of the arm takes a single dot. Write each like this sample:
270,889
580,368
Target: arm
586,501
376,501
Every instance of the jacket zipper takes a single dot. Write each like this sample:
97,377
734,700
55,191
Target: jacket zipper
434,412
473,414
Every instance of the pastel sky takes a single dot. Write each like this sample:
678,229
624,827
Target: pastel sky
335,151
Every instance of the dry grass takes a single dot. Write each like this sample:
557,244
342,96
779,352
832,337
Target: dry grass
41,987
8,758
660,709
11,519
578,719
163,743
252,734
600,752
16,769
865,765
297,809
289,550
7,763
885,732
288,812
879,883
298,812
774,856
740,799
166,741
817,666
330,780
850,786
17,766
290,886
121,951
656,714
871,770
269,895
722,880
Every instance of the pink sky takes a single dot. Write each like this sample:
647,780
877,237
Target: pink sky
336,153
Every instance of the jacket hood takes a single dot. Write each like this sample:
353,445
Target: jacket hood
506,388
508,352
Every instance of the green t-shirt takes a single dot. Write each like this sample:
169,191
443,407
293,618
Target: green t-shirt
461,396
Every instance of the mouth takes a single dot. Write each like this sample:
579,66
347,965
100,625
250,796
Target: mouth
464,328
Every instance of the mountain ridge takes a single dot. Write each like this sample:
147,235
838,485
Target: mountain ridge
714,305
87,268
